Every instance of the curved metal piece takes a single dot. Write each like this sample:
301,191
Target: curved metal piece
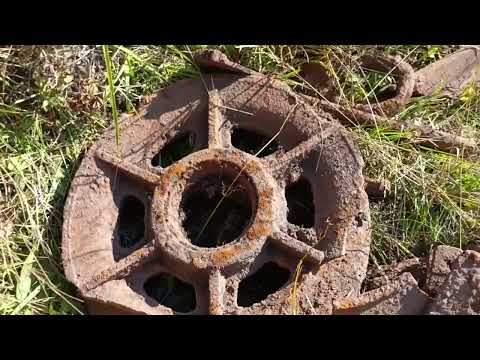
216,61
405,81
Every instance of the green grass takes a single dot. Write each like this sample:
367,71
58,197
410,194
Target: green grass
55,101
112,95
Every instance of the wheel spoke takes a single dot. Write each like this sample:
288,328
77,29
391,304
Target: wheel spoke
128,168
305,235
298,247
216,289
293,157
218,136
122,268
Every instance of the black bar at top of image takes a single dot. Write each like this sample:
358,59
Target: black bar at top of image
302,24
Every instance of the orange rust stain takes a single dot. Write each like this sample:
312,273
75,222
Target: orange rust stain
258,231
223,255
215,308
346,304
162,187
177,171
264,201
264,207
252,167
266,193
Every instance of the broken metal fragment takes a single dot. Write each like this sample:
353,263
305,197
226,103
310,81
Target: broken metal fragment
450,75
212,60
385,274
375,114
439,265
405,81
400,297
460,293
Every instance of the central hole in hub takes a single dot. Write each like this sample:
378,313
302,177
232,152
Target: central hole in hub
215,211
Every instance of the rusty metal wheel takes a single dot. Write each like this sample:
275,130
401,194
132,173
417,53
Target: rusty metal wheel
139,235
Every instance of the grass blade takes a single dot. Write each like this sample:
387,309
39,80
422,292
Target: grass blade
113,100
25,280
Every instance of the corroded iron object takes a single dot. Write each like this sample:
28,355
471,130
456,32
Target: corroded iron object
450,75
334,252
